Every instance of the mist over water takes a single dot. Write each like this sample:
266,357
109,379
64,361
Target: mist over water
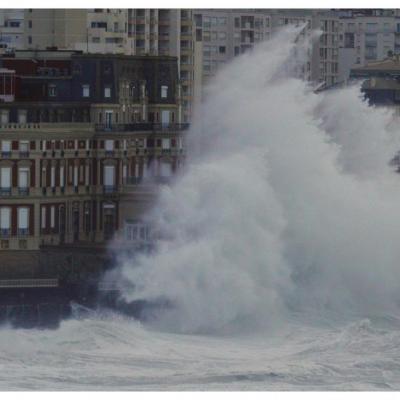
287,203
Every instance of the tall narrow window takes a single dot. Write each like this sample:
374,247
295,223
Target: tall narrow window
87,176
75,175
52,217
24,148
52,90
23,180
53,176
85,90
107,91
5,221
5,181
164,92
43,219
22,116
23,221
5,148
61,176
109,178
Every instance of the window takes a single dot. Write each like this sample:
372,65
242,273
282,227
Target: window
61,176
30,39
109,176
30,24
5,178
22,116
222,49
221,35
24,147
85,90
52,217
23,177
43,220
23,220
165,169
95,39
107,91
53,176
109,145
164,92
166,143
136,231
5,221
222,21
75,175
371,27
52,91
131,90
5,148
4,114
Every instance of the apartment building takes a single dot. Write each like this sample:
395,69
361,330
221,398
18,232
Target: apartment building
322,67
364,38
85,142
11,29
228,33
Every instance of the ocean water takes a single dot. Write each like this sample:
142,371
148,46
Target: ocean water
113,353
279,260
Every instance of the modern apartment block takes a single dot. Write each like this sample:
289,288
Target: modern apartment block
11,29
366,38
322,66
85,141
228,33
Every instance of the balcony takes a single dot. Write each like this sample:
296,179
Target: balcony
5,232
23,191
23,231
5,192
107,189
110,153
24,154
48,126
132,180
6,154
138,127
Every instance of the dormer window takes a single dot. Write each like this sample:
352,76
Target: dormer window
52,91
107,91
85,90
164,92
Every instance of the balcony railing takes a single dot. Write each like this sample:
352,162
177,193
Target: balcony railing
24,154
145,126
6,154
109,189
5,191
132,180
23,191
23,231
5,232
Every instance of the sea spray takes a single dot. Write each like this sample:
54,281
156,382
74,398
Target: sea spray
288,201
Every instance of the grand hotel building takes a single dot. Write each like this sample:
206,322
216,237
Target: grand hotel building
85,141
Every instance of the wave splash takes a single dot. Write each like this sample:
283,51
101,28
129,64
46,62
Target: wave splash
288,203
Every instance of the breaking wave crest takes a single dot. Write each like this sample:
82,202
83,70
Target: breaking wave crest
288,202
